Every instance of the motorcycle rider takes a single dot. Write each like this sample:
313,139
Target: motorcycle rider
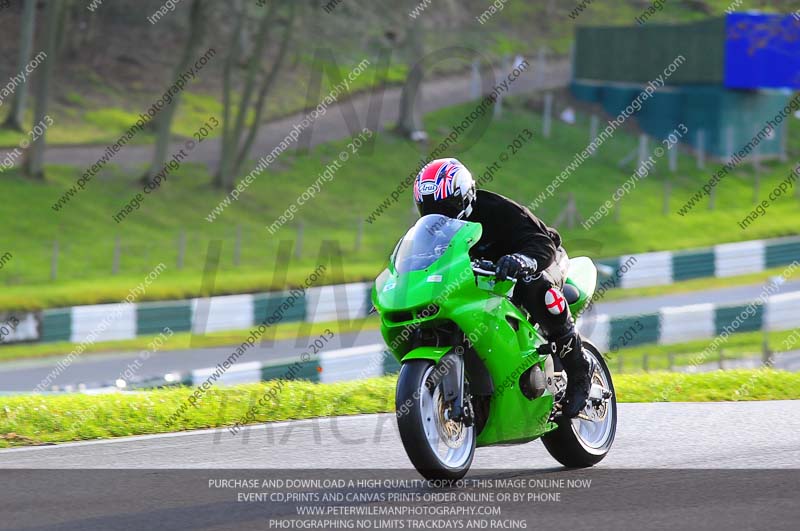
522,247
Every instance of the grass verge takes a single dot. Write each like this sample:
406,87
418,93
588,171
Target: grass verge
741,345
174,221
42,419
693,285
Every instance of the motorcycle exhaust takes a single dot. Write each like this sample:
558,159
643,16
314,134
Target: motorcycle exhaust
533,382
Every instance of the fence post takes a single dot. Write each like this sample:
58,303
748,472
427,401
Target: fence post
181,248
784,156
237,248
766,353
359,233
298,250
475,81
115,264
729,132
756,154
541,63
594,124
642,150
54,261
671,361
712,198
547,119
667,193
756,187
721,359
701,149
498,103
673,158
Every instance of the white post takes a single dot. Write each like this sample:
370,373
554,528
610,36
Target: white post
54,261
729,132
784,132
475,81
541,60
673,158
756,154
298,250
701,149
642,150
594,124
547,120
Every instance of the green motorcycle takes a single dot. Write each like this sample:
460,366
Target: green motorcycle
474,370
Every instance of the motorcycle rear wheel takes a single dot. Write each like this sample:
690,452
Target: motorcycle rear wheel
437,447
580,443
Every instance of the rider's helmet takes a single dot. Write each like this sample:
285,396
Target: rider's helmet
445,186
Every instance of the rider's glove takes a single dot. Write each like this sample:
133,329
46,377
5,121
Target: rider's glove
515,266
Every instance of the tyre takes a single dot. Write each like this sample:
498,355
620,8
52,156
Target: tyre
438,448
579,443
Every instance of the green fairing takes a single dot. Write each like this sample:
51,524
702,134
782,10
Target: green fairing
500,332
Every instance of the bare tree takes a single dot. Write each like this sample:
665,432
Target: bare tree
409,122
19,103
198,17
237,138
34,160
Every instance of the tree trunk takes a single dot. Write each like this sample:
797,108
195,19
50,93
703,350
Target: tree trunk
228,162
230,61
266,86
410,119
17,114
197,29
34,161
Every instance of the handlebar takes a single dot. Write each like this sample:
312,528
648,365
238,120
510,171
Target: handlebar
487,268
483,272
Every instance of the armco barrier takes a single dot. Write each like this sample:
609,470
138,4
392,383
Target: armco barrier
341,301
723,260
214,314
352,301
153,317
670,325
103,322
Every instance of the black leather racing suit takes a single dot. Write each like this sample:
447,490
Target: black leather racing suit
510,228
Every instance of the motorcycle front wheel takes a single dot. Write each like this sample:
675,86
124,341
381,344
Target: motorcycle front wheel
438,447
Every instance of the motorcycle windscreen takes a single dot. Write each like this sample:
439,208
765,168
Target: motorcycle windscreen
425,242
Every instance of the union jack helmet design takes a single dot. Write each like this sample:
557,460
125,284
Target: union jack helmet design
444,186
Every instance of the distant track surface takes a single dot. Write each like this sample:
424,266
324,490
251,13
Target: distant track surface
333,125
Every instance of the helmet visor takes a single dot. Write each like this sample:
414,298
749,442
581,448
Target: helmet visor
450,207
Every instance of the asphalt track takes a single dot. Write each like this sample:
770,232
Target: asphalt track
737,435
22,376
673,466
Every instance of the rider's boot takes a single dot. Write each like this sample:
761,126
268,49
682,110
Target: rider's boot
568,348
